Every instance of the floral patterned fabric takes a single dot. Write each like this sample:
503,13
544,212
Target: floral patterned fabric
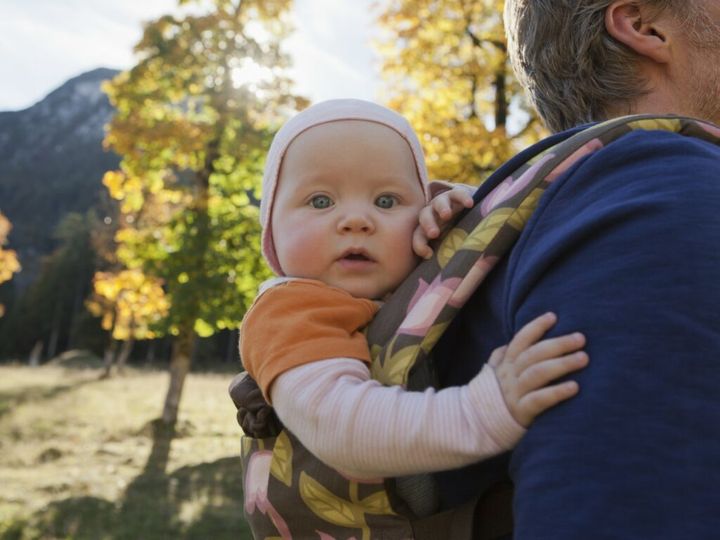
291,494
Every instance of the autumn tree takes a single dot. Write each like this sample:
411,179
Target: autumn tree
8,258
446,69
194,119
131,305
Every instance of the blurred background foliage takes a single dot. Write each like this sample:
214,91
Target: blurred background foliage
446,68
193,120
164,267
159,273
8,258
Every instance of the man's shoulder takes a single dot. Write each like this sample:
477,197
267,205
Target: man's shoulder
647,161
640,145
641,193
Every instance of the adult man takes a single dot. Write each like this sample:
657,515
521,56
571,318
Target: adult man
624,247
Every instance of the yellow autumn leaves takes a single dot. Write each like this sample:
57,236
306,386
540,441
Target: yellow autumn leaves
446,69
9,263
129,303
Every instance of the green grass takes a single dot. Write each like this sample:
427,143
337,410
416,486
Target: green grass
82,458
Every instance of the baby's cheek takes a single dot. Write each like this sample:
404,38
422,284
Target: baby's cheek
405,262
295,252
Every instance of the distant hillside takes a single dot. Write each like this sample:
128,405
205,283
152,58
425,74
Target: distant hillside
52,162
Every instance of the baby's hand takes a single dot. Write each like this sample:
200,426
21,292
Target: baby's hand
437,215
526,367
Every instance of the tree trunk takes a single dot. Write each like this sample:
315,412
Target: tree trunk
184,343
55,332
109,357
36,354
150,353
231,352
125,351
179,368
52,343
77,308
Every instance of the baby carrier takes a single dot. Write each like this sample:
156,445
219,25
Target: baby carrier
291,494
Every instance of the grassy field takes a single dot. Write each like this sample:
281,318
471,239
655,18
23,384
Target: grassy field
81,458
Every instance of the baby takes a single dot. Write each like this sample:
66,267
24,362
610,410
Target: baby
344,186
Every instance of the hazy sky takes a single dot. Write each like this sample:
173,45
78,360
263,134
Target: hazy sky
45,42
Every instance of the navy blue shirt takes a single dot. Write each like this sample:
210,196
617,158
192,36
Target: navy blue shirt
624,247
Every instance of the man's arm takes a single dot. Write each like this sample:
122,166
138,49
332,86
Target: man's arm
626,249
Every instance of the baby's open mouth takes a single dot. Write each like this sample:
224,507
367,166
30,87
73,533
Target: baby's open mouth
356,257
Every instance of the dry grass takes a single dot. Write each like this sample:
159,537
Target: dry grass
81,457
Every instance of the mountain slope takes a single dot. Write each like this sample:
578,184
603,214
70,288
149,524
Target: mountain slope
52,161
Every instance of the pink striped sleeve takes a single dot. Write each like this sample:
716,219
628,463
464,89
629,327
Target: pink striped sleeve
367,430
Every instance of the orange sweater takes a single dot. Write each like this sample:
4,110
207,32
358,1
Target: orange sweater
298,322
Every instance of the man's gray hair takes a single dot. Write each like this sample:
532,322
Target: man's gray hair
573,70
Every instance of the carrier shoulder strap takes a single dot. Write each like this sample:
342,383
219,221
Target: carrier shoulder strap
409,325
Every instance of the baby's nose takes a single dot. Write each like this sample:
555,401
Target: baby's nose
356,222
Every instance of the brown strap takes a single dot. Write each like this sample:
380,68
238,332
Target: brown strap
489,518
456,524
493,513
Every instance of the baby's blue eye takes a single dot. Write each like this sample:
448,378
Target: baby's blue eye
385,201
321,202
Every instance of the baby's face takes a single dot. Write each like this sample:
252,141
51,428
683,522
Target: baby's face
346,206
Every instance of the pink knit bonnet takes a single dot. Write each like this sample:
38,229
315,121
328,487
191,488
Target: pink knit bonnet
322,113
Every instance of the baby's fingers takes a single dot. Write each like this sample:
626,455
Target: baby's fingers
429,225
530,334
442,207
541,400
420,244
448,204
549,348
460,197
544,372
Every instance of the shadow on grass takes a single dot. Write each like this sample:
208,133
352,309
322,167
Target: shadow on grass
195,503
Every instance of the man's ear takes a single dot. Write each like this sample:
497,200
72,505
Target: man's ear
630,23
